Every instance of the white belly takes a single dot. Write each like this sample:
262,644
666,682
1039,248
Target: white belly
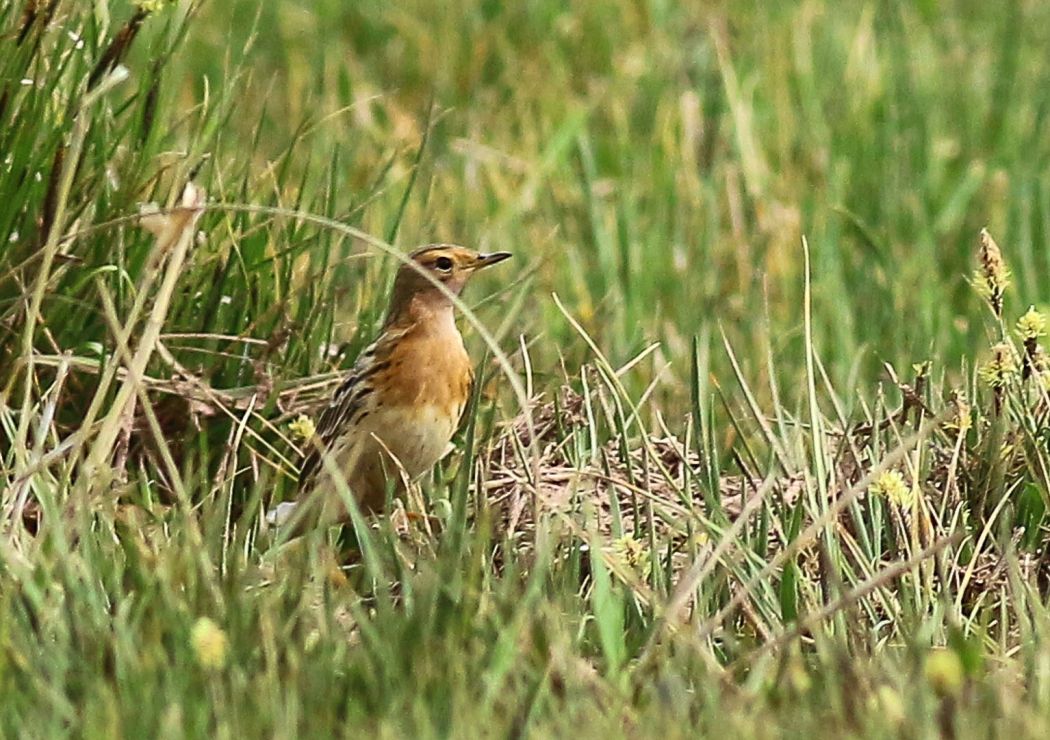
417,438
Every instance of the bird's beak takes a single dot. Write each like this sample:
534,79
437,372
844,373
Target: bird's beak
484,260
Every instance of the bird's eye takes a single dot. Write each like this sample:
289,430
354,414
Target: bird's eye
443,263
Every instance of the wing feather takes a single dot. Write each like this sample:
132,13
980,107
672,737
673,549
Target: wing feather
348,403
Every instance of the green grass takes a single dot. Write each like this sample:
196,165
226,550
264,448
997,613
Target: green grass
707,480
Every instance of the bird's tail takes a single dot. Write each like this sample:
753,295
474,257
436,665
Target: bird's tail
281,514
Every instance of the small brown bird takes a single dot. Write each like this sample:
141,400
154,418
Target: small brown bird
395,413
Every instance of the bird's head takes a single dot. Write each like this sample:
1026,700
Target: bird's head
445,264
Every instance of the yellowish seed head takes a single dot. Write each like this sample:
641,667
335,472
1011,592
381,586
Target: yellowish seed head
1032,324
302,429
891,484
887,701
210,644
944,672
963,414
992,278
632,553
1000,367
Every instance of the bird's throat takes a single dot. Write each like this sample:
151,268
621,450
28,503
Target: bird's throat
431,311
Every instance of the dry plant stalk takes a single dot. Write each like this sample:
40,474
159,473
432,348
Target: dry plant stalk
174,231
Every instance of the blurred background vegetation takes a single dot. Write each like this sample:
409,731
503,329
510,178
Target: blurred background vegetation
656,164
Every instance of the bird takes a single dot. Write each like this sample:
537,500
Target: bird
394,413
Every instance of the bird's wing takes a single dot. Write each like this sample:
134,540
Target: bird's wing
348,403
471,379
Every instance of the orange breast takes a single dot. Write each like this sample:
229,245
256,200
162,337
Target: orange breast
427,369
